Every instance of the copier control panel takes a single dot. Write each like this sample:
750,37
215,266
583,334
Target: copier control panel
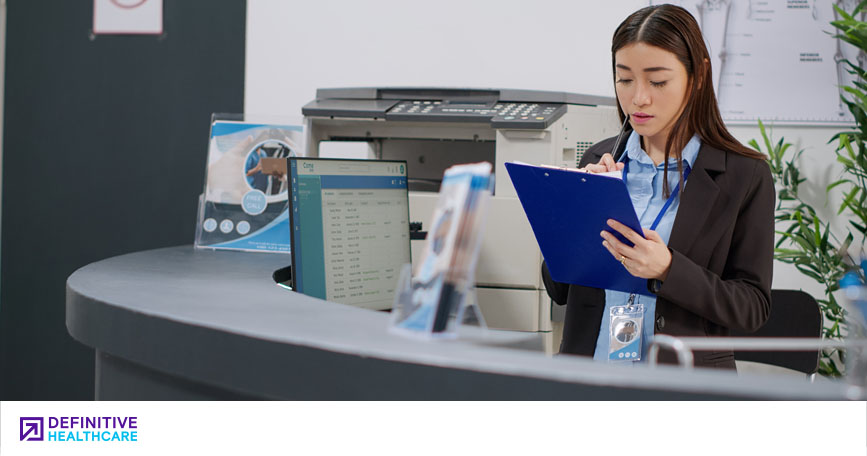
499,108
501,115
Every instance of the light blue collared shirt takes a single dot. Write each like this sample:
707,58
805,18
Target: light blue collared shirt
644,182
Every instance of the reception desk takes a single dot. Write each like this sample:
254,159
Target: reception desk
179,323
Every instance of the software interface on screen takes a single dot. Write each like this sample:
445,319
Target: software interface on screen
350,229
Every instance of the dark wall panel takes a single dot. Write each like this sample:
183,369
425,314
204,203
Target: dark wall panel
104,153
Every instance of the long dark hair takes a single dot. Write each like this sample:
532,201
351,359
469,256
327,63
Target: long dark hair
673,29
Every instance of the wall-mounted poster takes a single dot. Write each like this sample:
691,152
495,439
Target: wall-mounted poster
776,60
127,17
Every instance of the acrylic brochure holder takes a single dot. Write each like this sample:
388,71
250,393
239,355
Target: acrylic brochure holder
244,205
461,311
440,297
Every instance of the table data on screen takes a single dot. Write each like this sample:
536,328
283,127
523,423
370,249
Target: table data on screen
350,222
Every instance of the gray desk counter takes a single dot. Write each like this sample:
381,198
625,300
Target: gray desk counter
177,323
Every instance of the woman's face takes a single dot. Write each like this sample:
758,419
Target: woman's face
651,87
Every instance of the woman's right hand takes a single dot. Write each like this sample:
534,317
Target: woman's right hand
606,164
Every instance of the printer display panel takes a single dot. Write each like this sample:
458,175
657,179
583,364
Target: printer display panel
350,229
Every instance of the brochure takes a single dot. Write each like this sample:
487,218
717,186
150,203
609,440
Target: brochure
446,271
244,205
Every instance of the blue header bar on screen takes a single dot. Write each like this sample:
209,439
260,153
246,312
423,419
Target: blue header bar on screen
340,181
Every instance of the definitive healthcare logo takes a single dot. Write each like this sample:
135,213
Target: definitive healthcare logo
31,428
79,428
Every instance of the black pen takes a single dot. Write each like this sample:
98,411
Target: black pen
614,152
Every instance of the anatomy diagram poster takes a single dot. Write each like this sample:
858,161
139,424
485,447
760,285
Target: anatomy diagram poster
776,60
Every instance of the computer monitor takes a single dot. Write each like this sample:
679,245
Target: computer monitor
350,229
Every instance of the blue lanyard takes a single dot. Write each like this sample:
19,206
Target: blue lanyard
686,170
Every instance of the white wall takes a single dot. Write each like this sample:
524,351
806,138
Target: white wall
294,48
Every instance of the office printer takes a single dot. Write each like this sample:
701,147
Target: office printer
434,128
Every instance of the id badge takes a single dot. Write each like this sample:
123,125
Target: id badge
624,333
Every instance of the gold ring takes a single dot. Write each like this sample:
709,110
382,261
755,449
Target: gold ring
623,260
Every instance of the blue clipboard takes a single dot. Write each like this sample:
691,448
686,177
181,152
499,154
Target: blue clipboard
567,210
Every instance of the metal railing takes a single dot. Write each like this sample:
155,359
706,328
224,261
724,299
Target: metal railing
684,346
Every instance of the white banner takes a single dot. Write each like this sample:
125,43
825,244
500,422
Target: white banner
432,428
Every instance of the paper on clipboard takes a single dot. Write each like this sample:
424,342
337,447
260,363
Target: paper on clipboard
617,174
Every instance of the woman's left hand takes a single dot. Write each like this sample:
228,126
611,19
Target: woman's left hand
648,258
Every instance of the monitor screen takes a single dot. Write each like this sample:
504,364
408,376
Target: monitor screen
350,229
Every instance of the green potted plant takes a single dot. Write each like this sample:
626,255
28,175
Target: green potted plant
806,241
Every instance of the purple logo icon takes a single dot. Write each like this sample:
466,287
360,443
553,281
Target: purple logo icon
31,428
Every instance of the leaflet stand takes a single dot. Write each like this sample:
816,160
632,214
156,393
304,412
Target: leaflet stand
453,309
469,314
244,205
408,318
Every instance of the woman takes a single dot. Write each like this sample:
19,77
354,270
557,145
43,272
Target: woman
707,255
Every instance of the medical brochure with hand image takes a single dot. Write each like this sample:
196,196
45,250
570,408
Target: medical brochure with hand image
446,272
245,205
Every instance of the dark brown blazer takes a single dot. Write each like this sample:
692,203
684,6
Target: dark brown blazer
722,246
